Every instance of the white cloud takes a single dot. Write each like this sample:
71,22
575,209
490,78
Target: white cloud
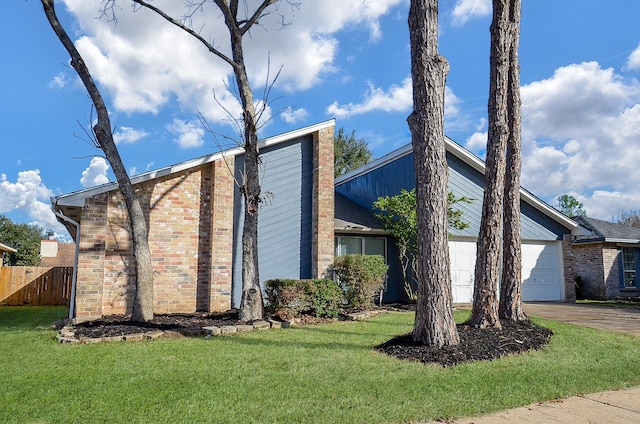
292,116
398,98
30,196
144,79
633,62
59,81
96,173
190,134
477,142
580,134
128,135
465,10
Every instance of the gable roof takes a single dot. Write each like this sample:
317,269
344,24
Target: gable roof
605,231
471,160
69,205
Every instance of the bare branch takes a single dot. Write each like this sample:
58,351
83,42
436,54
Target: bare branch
190,31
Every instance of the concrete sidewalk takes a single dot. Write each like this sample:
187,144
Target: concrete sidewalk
619,407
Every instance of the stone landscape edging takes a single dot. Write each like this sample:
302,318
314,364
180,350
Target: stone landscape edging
67,333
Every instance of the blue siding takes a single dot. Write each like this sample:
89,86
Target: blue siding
285,219
389,179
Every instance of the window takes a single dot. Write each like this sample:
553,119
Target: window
346,245
629,267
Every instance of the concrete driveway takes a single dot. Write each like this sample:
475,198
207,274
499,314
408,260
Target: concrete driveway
621,320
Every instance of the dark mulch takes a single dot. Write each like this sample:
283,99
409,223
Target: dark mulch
188,324
475,344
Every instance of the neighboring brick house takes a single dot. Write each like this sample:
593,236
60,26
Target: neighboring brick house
607,259
195,212
54,253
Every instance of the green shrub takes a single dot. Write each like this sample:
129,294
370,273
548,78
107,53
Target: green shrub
362,276
286,298
290,298
325,297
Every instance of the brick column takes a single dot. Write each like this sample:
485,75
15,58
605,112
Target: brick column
222,234
323,200
568,263
91,254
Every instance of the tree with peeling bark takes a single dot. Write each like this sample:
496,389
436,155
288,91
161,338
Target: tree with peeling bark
239,21
434,323
143,299
510,305
500,222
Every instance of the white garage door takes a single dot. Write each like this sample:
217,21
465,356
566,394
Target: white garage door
541,271
463,260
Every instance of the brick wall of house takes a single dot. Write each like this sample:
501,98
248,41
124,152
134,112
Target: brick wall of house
588,264
91,253
611,265
220,275
189,238
323,198
568,264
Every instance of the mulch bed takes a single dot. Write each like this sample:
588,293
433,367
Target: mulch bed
475,344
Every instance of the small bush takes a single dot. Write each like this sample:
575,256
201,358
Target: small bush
325,297
362,276
291,298
286,298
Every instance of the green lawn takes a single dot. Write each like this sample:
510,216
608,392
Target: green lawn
326,374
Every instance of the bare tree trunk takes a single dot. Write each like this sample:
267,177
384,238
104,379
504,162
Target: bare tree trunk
511,283
143,301
484,313
252,303
434,324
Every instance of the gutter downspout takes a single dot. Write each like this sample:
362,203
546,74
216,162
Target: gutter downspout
72,300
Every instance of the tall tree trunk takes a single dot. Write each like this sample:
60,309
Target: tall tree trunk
252,303
434,323
484,313
143,301
510,307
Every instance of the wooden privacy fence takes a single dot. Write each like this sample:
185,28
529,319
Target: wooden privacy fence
35,286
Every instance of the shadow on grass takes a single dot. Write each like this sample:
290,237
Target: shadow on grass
23,318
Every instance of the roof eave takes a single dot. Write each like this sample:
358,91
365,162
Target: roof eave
470,159
77,198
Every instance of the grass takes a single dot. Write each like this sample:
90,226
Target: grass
326,373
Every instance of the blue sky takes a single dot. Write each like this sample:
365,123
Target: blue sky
348,59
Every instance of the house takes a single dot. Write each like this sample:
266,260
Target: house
606,257
546,233
54,253
5,249
194,212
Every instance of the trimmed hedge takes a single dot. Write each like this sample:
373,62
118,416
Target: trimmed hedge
289,298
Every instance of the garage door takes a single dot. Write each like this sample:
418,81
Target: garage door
541,271
463,260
